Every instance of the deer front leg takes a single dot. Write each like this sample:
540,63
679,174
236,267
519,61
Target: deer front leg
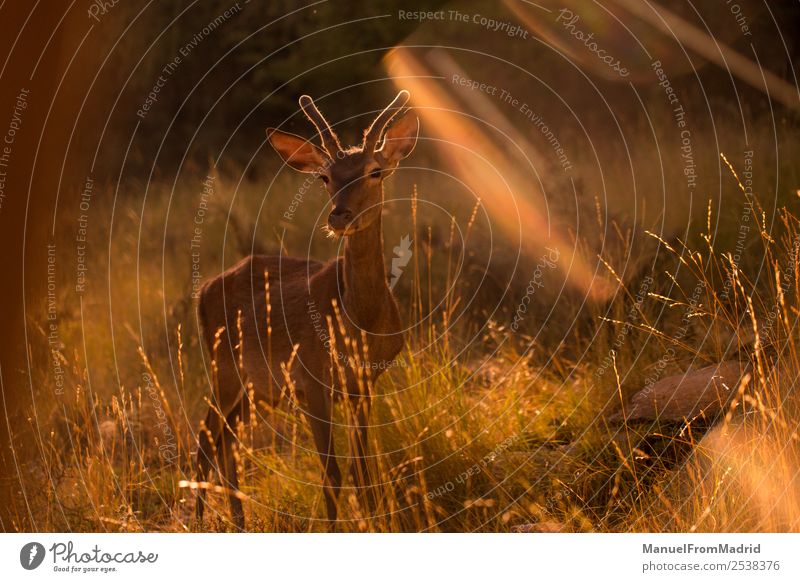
206,459
319,414
214,451
359,468
228,442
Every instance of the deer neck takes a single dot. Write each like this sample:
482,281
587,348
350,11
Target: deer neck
365,287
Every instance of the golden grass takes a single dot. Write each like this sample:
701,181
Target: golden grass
472,430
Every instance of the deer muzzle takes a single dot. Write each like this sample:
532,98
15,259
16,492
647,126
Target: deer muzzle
340,220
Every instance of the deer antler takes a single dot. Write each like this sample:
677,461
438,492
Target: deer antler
329,139
375,131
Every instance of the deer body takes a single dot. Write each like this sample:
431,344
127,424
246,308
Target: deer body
304,294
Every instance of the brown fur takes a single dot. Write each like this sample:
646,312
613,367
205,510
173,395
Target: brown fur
302,297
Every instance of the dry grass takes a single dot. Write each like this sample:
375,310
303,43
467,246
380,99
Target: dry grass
481,434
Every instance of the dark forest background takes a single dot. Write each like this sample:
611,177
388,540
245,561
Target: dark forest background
248,73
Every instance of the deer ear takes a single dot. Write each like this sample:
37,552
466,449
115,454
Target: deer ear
299,153
399,140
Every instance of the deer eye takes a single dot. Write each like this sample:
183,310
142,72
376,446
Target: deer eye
324,178
376,173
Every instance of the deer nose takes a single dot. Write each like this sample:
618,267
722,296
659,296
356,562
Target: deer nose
340,218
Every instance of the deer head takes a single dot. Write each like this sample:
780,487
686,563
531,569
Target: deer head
353,176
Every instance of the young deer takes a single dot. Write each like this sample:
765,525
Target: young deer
304,296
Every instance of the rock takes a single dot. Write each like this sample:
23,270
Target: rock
685,396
